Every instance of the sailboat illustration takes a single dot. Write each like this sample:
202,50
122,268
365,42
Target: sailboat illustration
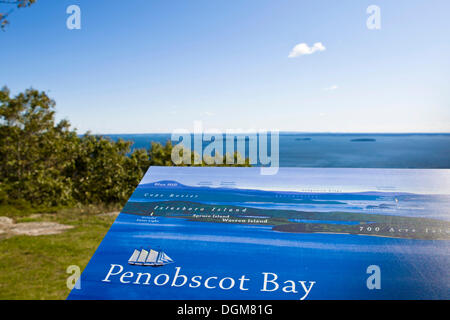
153,258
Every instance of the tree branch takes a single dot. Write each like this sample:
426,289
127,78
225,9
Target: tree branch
20,4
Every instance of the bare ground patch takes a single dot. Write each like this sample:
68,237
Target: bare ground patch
9,228
110,214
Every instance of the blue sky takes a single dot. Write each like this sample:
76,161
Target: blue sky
154,66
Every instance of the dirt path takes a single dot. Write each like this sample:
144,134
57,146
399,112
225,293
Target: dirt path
9,228
110,214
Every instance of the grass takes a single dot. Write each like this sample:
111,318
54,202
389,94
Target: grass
35,267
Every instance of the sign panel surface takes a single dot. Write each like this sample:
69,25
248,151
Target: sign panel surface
304,233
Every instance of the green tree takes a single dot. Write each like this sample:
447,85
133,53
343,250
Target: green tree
162,156
103,171
34,150
45,163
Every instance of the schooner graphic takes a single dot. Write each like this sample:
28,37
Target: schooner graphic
152,258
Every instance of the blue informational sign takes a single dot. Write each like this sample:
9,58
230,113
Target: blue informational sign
232,233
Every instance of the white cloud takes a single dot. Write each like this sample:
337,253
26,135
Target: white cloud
333,87
303,49
207,113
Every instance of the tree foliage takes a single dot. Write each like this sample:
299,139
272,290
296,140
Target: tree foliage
46,163
12,3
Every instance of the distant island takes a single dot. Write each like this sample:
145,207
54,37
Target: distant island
303,139
363,140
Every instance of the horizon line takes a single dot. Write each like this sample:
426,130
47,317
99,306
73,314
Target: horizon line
281,132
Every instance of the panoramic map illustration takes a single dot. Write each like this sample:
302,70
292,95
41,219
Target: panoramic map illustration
304,233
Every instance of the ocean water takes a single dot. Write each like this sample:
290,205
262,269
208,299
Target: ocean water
346,150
